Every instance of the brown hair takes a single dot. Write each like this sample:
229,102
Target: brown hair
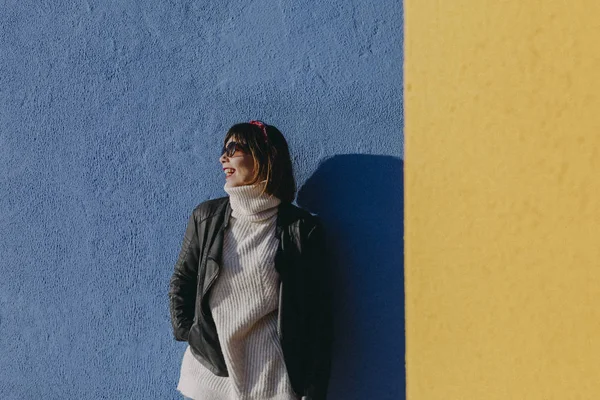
272,161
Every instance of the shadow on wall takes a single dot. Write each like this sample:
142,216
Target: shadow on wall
361,202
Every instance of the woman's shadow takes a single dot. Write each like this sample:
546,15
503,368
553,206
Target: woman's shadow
360,199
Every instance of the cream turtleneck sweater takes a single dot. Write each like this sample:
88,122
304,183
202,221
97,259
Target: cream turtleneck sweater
244,302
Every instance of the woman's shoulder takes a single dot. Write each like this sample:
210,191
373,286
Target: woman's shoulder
302,215
210,207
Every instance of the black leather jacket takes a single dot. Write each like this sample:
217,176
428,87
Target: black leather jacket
304,316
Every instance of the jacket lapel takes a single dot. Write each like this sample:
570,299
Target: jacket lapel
280,231
215,251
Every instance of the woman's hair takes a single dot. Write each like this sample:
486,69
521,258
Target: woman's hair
272,161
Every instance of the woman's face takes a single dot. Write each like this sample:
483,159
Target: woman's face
239,168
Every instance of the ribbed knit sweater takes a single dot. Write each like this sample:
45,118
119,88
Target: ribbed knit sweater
244,303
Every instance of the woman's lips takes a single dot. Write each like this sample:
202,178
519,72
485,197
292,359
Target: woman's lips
227,175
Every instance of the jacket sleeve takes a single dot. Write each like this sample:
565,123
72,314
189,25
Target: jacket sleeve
183,283
320,327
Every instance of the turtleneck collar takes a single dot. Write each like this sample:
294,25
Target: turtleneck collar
249,204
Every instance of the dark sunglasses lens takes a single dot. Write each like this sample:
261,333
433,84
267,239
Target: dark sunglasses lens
229,149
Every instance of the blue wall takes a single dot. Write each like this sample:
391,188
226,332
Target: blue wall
112,115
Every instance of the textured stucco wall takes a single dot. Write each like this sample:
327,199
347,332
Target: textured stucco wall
502,212
111,119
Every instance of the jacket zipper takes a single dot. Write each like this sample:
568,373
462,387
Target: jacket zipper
212,281
279,313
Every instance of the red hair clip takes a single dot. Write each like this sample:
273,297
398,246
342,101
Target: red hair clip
262,126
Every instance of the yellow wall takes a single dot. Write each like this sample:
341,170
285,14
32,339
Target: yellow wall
502,183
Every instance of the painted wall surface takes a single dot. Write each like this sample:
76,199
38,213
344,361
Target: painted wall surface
112,115
502,211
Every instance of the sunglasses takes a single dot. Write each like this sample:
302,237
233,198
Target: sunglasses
232,147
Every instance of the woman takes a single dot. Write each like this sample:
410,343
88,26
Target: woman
250,290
